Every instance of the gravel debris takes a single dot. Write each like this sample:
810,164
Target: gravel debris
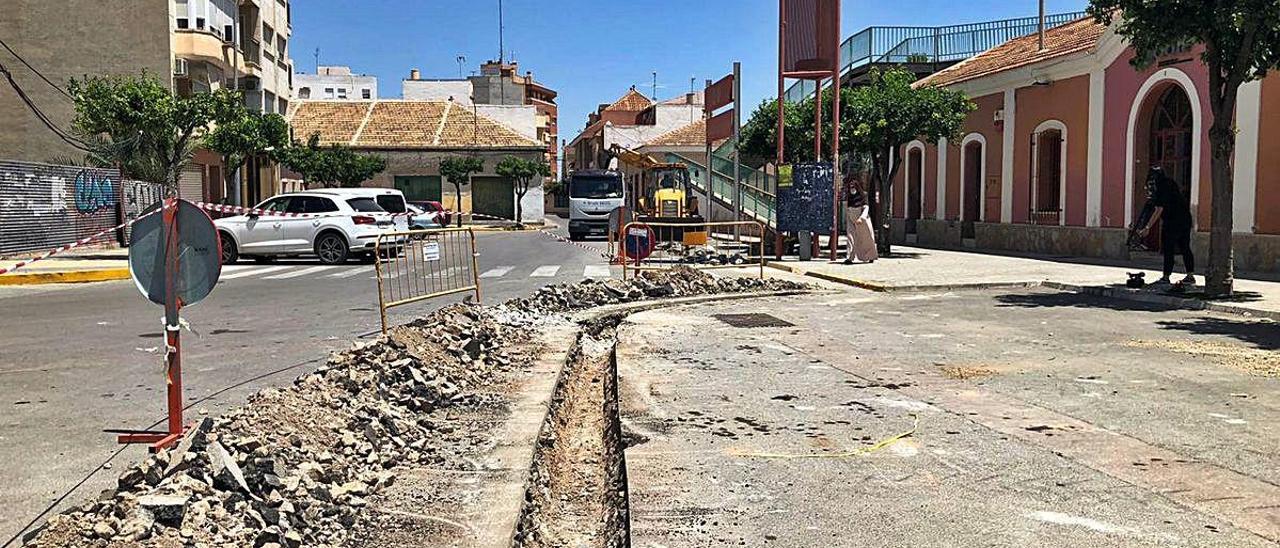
298,466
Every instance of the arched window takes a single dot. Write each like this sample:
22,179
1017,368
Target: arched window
1048,173
913,194
973,170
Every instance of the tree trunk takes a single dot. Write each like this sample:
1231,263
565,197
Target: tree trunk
1220,276
521,189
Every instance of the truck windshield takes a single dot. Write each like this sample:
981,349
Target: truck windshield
595,187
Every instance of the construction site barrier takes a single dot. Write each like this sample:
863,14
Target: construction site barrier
698,244
417,265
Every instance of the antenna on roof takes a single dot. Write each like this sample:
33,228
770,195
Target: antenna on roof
655,85
502,50
461,59
317,60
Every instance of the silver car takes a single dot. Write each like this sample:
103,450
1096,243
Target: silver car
332,226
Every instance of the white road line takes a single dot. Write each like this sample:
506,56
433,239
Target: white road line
545,271
254,271
596,271
498,272
228,269
353,272
298,273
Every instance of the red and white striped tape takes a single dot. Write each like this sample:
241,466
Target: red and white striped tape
76,243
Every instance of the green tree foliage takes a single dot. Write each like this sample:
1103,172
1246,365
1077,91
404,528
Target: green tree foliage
331,166
140,126
1241,43
522,172
240,134
458,170
885,115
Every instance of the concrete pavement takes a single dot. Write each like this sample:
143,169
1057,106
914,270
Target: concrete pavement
76,359
914,269
1037,418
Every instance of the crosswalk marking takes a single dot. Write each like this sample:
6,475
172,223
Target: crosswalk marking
596,271
352,272
298,273
254,272
498,272
545,271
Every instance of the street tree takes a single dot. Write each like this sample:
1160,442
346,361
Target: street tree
522,172
885,115
331,166
142,127
457,170
1241,40
241,134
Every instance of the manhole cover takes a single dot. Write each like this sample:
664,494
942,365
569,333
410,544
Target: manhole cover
753,320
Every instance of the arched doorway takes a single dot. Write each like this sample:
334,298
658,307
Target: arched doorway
915,187
1170,146
971,199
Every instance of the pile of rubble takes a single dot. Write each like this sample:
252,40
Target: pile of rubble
295,466
680,281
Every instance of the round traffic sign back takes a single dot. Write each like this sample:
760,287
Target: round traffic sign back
198,261
639,242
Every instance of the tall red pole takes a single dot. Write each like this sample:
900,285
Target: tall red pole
835,142
172,323
782,126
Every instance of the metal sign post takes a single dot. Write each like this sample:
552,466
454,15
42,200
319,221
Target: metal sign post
175,261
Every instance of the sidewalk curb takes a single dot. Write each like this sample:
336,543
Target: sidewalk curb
1093,290
66,277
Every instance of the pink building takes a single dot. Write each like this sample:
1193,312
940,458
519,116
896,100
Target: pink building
1054,158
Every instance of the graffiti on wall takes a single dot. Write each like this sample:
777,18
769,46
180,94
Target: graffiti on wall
94,191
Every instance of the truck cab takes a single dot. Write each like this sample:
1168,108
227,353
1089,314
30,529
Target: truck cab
593,194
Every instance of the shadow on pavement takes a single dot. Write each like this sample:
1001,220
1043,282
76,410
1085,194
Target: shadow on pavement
1262,335
1076,300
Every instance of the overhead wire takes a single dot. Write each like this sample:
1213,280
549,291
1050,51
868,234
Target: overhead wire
40,115
37,72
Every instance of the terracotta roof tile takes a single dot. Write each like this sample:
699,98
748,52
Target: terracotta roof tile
632,101
1074,37
402,124
690,135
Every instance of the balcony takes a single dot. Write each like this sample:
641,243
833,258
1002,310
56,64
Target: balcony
204,46
252,49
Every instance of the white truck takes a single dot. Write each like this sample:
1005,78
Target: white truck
593,194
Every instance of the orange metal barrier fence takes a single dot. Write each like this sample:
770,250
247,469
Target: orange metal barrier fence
418,265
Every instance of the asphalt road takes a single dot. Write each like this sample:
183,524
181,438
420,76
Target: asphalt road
78,359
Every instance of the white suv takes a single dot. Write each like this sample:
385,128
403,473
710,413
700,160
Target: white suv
341,225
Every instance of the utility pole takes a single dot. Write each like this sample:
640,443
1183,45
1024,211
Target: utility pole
502,50
655,86
1042,25
317,54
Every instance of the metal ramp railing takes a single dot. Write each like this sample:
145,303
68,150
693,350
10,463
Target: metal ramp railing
758,199
926,45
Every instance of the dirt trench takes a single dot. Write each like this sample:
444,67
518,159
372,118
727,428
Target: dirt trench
577,492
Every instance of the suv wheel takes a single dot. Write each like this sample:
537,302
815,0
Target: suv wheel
332,249
228,249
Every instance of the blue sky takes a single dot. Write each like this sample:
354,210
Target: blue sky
591,51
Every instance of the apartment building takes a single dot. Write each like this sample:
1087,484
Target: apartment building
499,92
335,83
192,45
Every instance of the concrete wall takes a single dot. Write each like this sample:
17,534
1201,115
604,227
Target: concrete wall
437,90
355,84
73,38
427,163
521,118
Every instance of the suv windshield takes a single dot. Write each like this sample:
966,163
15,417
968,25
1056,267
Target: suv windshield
366,205
595,187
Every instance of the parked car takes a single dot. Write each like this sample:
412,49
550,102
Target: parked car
349,225
389,199
445,216
420,219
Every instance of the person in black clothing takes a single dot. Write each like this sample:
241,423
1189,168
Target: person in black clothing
1173,207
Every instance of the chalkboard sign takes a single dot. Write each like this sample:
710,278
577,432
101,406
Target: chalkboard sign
804,198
